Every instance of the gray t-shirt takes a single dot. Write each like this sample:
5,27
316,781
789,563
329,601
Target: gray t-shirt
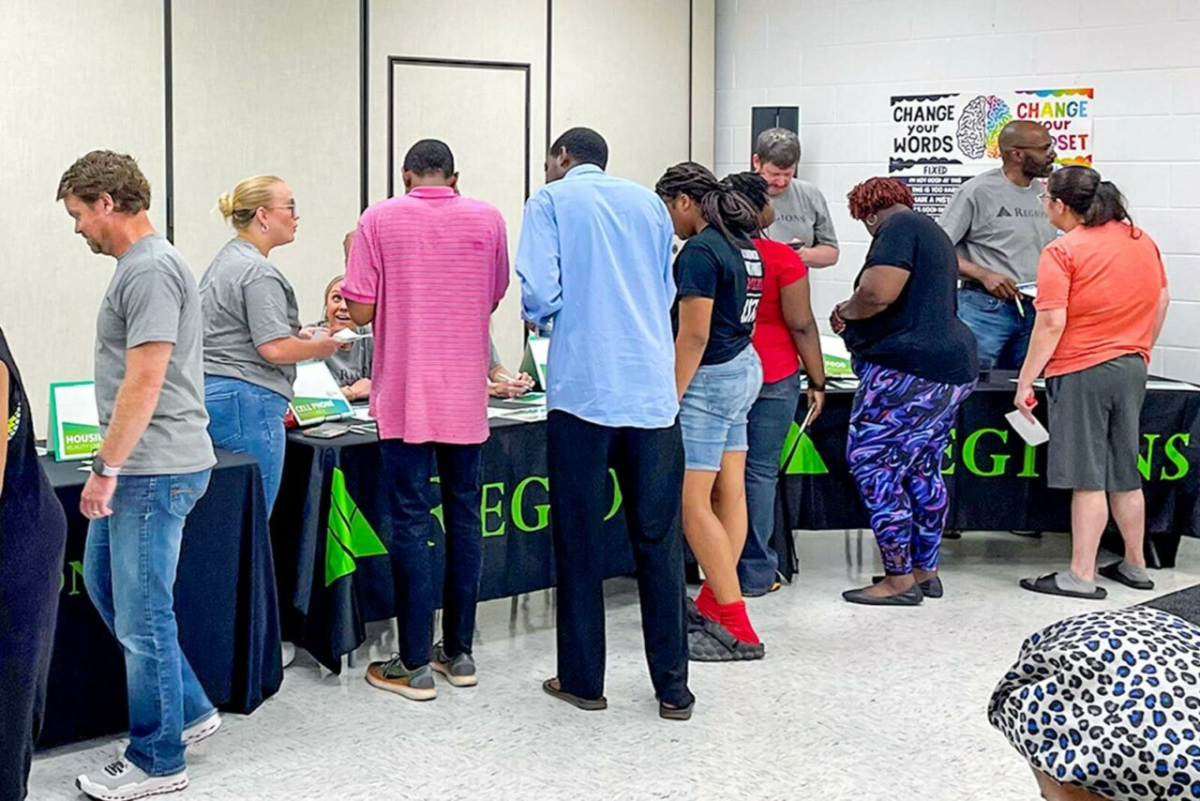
998,225
247,303
801,213
493,357
152,298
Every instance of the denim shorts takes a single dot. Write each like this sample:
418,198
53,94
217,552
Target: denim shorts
714,409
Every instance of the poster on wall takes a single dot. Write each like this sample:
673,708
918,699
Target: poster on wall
938,141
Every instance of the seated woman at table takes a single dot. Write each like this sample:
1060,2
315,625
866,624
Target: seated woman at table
1101,301
916,363
351,368
252,335
1062,706
33,534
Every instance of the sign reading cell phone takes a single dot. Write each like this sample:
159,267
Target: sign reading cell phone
318,398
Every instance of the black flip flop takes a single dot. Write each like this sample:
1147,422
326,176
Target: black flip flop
1113,572
1048,586
586,704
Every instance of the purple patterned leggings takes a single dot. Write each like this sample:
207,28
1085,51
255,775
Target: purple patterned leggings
899,428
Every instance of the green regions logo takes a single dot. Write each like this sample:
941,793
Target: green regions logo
800,456
986,453
350,536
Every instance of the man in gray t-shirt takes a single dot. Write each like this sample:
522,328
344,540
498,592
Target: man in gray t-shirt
998,223
801,214
153,299
150,471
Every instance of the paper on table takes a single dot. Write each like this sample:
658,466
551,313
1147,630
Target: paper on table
529,414
351,335
362,413
1032,432
1172,386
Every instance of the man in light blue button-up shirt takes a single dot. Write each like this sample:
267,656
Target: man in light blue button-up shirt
595,260
595,266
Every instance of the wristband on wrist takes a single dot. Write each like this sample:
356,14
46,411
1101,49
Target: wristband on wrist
815,387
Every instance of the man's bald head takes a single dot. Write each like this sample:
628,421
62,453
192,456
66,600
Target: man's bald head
1027,148
1023,133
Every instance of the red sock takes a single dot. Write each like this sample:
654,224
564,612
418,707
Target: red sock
706,603
737,622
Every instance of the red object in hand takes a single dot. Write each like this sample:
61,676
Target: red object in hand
1031,401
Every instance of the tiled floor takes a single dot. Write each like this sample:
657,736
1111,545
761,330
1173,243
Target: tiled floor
850,703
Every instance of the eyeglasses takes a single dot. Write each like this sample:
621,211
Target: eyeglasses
290,207
1046,148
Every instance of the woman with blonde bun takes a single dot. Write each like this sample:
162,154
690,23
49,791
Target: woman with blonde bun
252,333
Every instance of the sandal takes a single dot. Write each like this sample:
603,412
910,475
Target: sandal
552,687
675,712
1048,586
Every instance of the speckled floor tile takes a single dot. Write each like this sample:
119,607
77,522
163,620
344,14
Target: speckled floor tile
850,703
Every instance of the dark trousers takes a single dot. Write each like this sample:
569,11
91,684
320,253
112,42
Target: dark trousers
411,512
31,565
649,468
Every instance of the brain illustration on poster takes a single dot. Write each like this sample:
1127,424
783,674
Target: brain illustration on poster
939,141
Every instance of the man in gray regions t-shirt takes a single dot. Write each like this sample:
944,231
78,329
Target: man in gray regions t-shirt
998,223
801,213
152,467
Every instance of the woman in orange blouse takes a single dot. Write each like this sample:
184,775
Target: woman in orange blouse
1101,301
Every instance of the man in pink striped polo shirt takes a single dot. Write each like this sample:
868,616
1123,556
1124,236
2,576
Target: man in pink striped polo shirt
427,269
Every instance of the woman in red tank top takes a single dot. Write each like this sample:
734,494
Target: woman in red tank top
785,334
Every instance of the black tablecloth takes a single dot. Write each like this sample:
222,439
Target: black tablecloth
333,579
225,602
996,482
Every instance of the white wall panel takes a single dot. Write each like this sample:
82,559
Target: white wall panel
274,94
78,76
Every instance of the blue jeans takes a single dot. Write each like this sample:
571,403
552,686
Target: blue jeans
1001,333
129,571
247,418
770,418
410,522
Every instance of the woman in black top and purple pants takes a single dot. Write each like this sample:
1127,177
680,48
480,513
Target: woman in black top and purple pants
916,363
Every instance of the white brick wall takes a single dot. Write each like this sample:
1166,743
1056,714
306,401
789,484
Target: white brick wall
839,60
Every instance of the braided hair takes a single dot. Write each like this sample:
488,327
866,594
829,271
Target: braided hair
720,204
751,186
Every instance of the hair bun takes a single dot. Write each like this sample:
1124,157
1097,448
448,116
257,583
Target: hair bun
225,205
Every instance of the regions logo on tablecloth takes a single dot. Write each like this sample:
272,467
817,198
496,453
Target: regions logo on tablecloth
348,535
800,457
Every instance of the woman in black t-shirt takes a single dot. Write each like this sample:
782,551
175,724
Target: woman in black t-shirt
33,534
719,275
916,363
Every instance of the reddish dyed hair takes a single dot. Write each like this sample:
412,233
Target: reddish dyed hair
875,194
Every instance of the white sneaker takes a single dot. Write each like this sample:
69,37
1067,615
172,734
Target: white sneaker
199,732
124,781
